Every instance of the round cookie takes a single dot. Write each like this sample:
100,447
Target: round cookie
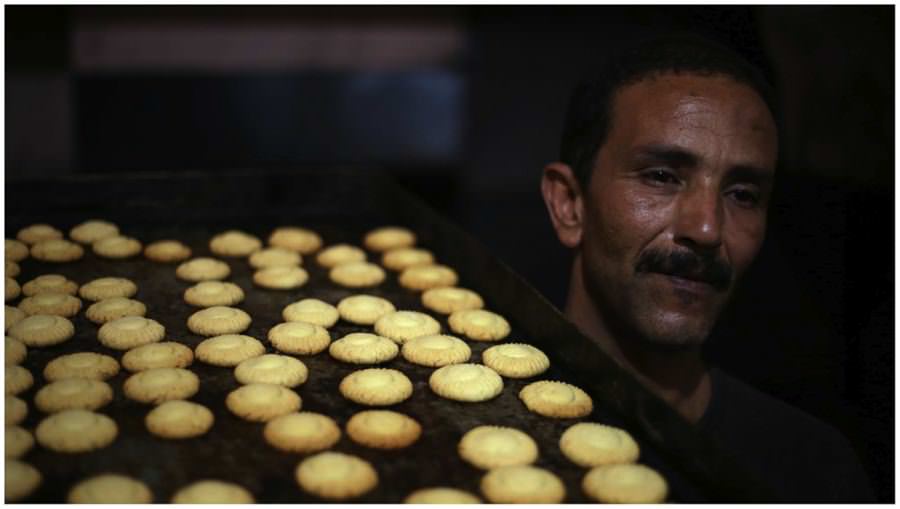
167,251
21,480
16,410
110,489
625,483
423,277
299,338
336,476
12,289
262,402
177,418
436,350
129,332
12,269
337,254
107,310
211,491
401,326
488,447
234,243
556,399
272,369
14,350
60,304
302,432
73,393
93,230
281,277
94,366
161,384
218,320
74,431
357,274
466,382
389,237
42,330
275,257
364,309
589,444
297,239
167,354
312,311
214,293
441,495
38,232
18,441
228,349
107,288
117,247
202,269
18,379
383,429
363,348
15,251
479,324
57,251
515,360
376,387
447,299
405,257
522,484
13,316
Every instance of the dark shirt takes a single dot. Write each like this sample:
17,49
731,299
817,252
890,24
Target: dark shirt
801,458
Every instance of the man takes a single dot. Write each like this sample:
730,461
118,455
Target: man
667,165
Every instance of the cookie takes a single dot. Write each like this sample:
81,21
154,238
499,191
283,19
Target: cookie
177,419
130,332
625,483
522,484
202,269
12,289
274,257
12,269
21,480
228,349
218,320
57,251
302,432
337,254
107,288
363,348
466,382
117,247
336,476
13,316
441,495
299,338
209,491
18,379
167,354
14,351
42,330
389,237
272,369
312,311
37,233
589,444
401,326
405,257
73,431
383,429
93,230
281,277
297,239
436,350
161,384
73,393
15,251
95,366
376,387
515,360
479,324
234,243
488,447
60,304
214,293
110,489
18,441
107,310
262,402
556,399
447,299
16,410
357,274
423,277
167,251
364,309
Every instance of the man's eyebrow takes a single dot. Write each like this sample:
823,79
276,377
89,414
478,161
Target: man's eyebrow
751,174
669,154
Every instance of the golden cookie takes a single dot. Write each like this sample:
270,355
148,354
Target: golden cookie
37,233
441,495
60,304
16,410
556,399
12,269
423,277
337,254
522,484
357,274
13,316
214,293
296,239
299,338
56,250
212,492
625,483
167,251
364,309
15,251
202,269
107,288
228,349
110,489
12,288
302,432
515,360
436,350
363,348
405,257
117,247
18,379
14,351
447,299
73,393
479,324
272,369
312,311
376,387
74,431
18,441
383,429
336,476
130,332
234,243
21,480
262,402
589,444
490,447
466,382
389,237
167,354
93,230
95,366
179,419
218,320
42,330
107,310
402,326
281,277
161,384
275,257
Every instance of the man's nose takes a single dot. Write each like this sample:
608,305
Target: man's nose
698,224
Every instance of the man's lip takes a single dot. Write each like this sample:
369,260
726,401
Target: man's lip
691,285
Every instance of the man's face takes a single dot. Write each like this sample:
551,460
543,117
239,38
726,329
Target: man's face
676,207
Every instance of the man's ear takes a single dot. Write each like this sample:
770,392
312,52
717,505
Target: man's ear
565,202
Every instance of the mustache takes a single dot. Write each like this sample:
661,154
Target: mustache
688,265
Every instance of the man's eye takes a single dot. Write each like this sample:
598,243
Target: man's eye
659,176
745,197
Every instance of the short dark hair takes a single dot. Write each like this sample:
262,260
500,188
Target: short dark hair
588,118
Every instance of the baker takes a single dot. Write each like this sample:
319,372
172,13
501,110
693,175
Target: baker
666,170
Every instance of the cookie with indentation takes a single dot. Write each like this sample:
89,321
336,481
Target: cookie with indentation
515,360
301,240
130,332
522,484
441,495
73,431
60,304
625,483
272,369
313,311
50,283
363,348
466,382
376,387
556,399
16,410
93,230
214,293
302,432
389,237
38,232
117,247
209,491
12,289
202,269
161,384
405,257
364,309
42,330
57,251
336,254
423,277
589,444
13,316
18,441
479,324
299,338
14,351
12,269
447,299
167,251
336,476
73,393
178,418
228,349
15,251
488,447
262,402
107,310
18,379
275,257
107,288
357,274
281,277
110,489
383,429
234,243
95,366
21,480
402,326
167,354
436,350
218,320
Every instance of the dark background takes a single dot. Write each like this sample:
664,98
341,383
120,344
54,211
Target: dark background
465,106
